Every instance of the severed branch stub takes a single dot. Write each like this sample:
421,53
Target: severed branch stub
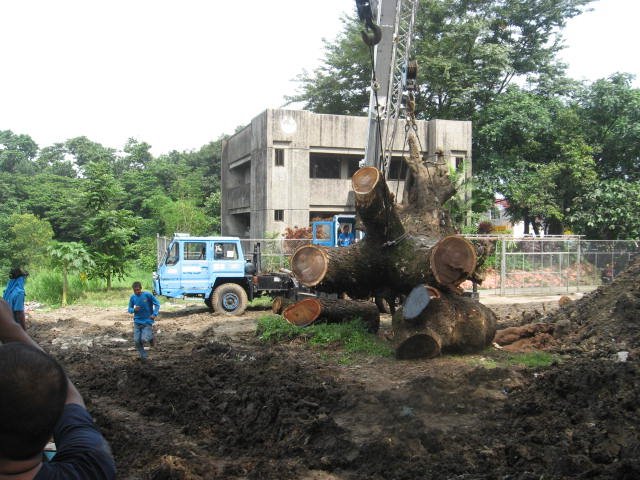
312,310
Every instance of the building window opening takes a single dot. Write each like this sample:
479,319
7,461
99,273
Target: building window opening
353,166
459,164
397,169
279,157
324,166
278,215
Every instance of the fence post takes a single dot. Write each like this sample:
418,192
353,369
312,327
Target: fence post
503,266
579,269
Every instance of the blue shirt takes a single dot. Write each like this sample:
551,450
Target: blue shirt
82,452
14,294
345,239
149,306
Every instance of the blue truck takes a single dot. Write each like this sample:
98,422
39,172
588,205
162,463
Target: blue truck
216,270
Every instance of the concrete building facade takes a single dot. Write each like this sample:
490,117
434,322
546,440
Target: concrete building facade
290,167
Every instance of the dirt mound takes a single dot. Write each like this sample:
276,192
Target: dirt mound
607,320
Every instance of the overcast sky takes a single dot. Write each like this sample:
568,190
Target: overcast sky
178,75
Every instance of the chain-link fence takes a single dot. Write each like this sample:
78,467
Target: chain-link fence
517,266
554,264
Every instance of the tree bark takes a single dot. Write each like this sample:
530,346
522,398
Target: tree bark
311,310
427,188
363,268
450,323
375,206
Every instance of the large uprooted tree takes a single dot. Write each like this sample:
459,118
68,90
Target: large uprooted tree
408,248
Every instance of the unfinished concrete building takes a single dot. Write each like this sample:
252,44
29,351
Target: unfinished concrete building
290,167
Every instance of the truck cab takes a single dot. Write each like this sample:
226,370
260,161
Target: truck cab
196,266
326,232
215,269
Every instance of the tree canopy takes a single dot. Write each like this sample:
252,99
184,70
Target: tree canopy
543,141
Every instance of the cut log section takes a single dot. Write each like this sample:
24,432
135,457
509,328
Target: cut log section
450,323
279,304
361,269
375,205
310,310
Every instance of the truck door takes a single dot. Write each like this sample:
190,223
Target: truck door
195,268
170,273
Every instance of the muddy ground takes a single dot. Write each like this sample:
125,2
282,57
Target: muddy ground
215,402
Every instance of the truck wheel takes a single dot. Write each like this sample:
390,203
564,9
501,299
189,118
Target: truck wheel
229,299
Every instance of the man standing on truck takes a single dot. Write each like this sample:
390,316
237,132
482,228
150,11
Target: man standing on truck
145,308
345,238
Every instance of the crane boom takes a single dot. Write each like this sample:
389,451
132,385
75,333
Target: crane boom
391,75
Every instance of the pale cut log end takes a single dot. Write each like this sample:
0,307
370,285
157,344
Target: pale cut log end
365,180
453,259
309,265
303,313
421,345
417,300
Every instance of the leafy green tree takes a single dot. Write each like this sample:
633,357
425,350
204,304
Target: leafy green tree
85,151
55,160
28,240
610,211
69,257
57,199
181,216
610,113
469,52
111,232
108,229
16,152
529,150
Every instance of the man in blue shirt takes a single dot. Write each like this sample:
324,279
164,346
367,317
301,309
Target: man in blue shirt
14,295
145,308
37,400
345,238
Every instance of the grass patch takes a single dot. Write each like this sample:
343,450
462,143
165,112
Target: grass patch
497,358
261,302
352,336
45,287
532,359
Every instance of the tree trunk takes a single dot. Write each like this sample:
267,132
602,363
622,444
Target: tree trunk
448,323
279,304
311,310
363,268
375,206
426,189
